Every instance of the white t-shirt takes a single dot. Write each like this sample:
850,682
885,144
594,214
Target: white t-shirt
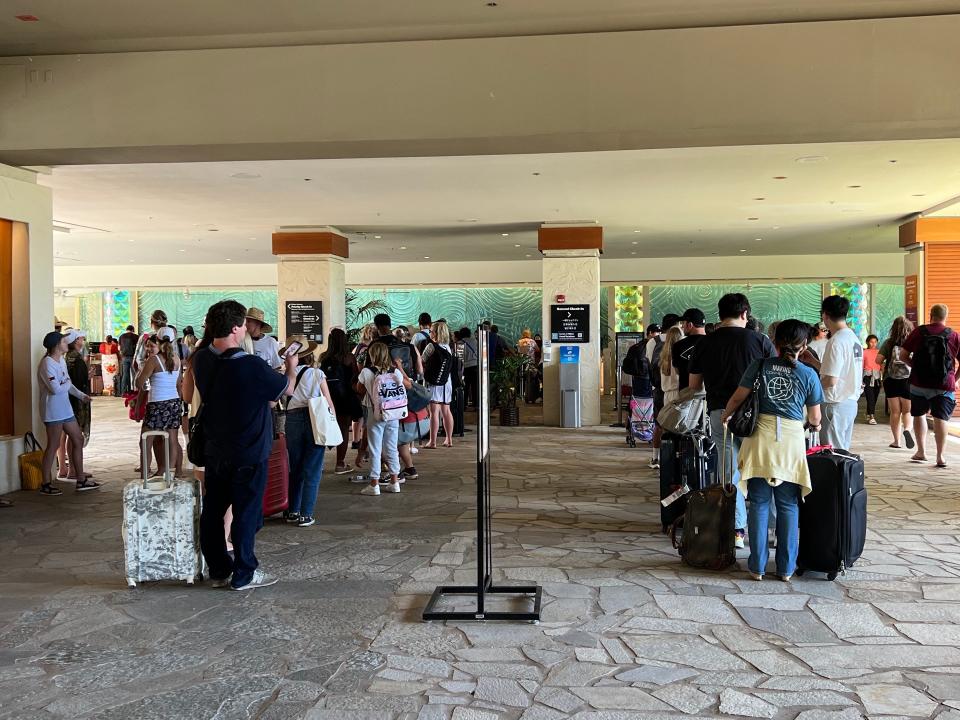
368,378
307,389
55,390
818,346
843,359
268,349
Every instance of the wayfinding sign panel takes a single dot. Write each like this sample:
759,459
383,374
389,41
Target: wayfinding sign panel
570,323
305,317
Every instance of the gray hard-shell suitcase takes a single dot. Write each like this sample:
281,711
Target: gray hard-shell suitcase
161,524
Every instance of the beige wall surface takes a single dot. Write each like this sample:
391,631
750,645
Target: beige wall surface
877,266
31,207
744,85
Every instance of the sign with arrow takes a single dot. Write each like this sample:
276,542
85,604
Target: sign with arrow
570,323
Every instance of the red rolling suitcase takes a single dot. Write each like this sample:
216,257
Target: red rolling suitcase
276,498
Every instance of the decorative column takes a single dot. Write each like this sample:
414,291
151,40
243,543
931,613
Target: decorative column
930,266
310,281
571,277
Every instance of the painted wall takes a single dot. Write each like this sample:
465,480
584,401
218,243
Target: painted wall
877,266
30,206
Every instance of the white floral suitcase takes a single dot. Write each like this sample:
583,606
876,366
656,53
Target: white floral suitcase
161,525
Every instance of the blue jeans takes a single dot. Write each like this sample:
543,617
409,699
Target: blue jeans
242,487
732,473
838,419
786,497
382,443
306,462
126,381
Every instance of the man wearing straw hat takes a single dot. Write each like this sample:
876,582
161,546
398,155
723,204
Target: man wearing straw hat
265,347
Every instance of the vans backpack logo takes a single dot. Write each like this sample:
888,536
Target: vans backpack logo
390,398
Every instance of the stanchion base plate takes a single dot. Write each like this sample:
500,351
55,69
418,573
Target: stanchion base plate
430,612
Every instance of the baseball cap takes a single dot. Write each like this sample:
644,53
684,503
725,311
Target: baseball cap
52,339
653,328
694,316
165,333
72,336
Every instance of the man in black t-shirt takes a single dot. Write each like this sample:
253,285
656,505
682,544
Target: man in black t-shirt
128,348
237,392
693,323
717,363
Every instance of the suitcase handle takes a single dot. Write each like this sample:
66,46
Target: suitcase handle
145,457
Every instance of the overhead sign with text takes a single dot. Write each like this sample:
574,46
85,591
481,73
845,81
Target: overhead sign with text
305,317
570,323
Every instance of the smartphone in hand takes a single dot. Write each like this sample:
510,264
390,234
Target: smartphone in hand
293,349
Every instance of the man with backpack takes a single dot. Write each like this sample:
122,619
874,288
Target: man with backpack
398,350
422,338
637,366
933,379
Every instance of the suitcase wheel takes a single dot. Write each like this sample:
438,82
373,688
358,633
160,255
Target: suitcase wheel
190,580
131,584
831,576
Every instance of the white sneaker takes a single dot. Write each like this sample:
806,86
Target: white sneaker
653,464
414,450
370,490
392,487
260,579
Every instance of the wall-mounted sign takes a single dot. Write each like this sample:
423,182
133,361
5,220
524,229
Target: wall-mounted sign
569,355
570,323
305,317
911,298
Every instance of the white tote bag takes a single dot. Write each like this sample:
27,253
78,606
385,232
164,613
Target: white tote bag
326,430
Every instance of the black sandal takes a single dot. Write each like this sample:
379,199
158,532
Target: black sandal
83,485
49,489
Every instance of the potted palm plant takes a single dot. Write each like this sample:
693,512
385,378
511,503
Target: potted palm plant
505,380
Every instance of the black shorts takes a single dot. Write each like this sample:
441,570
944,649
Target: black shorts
940,406
657,404
893,388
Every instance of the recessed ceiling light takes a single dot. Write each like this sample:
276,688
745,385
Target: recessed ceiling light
491,4
811,159
307,179
779,177
920,195
760,198
253,238
757,239
426,257
469,220
638,231
753,218
403,247
377,237
245,176
743,249
535,174
504,234
181,250
30,18
131,240
633,242
213,230
775,227
517,245
229,260
853,187
633,252
891,161
528,256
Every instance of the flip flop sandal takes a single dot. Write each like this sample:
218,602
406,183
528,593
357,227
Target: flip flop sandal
88,485
895,446
48,489
941,465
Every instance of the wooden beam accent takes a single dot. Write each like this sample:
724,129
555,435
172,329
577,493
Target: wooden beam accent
310,243
588,237
6,327
930,230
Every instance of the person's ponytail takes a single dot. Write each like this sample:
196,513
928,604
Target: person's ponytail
168,354
791,339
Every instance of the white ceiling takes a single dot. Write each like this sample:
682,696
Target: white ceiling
651,203
82,26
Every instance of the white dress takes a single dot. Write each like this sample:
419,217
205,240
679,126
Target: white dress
442,394
671,386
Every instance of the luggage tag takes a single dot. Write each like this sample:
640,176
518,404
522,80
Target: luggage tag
675,495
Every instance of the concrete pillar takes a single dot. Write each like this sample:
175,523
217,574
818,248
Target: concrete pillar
311,271
571,268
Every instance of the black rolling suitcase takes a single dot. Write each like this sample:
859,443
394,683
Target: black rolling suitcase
456,409
690,460
833,517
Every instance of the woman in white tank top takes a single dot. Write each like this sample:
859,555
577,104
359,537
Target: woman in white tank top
161,367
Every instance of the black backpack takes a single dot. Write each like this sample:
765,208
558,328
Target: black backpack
635,363
932,362
655,378
437,368
339,378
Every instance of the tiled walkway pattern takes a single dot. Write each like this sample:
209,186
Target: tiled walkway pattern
628,633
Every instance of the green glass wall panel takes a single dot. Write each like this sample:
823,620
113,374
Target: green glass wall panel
90,314
858,318
629,308
190,307
769,302
887,306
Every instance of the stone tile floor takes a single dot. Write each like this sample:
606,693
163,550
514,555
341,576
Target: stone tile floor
627,631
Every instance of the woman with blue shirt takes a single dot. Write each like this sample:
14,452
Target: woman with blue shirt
773,461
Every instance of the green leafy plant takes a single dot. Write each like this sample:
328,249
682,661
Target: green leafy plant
358,314
505,376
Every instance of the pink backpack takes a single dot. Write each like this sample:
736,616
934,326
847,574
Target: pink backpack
390,398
